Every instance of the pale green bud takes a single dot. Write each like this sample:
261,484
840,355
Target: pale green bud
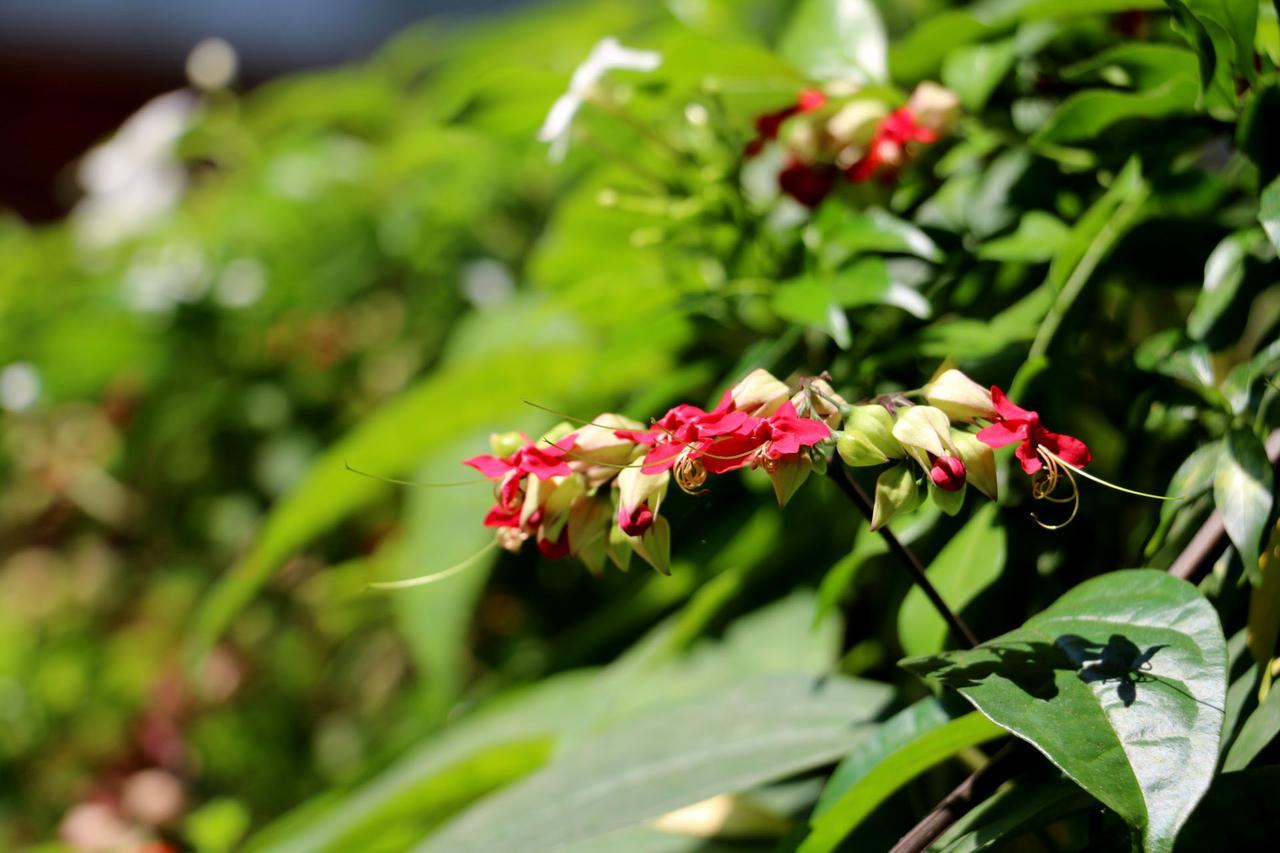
896,493
760,394
867,438
923,431
948,502
789,475
503,444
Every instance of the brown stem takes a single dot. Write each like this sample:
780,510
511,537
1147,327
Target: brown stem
854,493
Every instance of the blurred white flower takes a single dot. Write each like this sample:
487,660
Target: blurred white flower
135,177
19,386
606,56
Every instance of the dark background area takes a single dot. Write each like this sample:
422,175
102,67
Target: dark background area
72,70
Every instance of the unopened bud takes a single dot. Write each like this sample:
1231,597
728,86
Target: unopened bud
503,444
789,475
855,123
896,493
820,401
979,462
867,438
760,394
654,547
959,396
935,107
925,432
948,473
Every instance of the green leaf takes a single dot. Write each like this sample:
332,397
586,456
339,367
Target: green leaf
971,561
897,769
1193,478
974,71
743,736
1120,683
837,40
1011,813
1039,237
1257,733
1164,80
1222,33
1242,494
1239,813
1238,385
1269,212
844,232
1223,273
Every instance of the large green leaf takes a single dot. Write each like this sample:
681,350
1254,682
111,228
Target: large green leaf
1222,33
969,563
744,735
1223,273
837,40
1121,683
1242,493
894,770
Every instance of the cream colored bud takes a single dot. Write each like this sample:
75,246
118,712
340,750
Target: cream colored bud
636,487
979,462
935,107
598,452
959,396
760,394
924,431
855,123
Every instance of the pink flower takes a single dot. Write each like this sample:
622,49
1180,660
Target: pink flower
1014,424
685,430
542,462
637,521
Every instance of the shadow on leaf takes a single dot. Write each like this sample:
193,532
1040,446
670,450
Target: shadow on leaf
1032,666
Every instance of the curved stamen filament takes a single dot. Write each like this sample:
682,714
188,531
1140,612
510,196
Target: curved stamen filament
1045,452
1045,483
423,580
396,482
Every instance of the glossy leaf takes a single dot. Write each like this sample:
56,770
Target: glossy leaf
1038,238
970,562
1223,273
1242,494
837,40
1259,730
974,71
1010,814
1088,680
743,736
1269,212
1193,478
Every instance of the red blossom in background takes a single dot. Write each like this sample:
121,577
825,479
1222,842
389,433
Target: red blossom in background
768,125
887,149
1015,424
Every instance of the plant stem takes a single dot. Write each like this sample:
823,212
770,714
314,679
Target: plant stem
854,493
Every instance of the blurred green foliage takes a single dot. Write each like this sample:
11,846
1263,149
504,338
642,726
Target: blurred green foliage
353,276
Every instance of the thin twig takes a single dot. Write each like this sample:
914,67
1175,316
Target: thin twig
854,493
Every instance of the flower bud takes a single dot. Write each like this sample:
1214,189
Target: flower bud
654,547
503,444
789,475
948,473
925,432
868,437
588,523
759,394
636,488
896,493
855,123
553,435
979,462
959,396
935,107
598,452
637,520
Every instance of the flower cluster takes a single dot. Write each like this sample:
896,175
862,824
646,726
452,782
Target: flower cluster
595,491
855,134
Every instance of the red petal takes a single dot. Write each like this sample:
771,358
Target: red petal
661,458
729,454
1006,408
811,99
1031,461
544,463
1070,449
1001,433
499,517
490,466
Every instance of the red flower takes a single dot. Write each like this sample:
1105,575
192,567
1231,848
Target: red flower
1015,424
542,462
637,521
684,428
783,434
887,148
